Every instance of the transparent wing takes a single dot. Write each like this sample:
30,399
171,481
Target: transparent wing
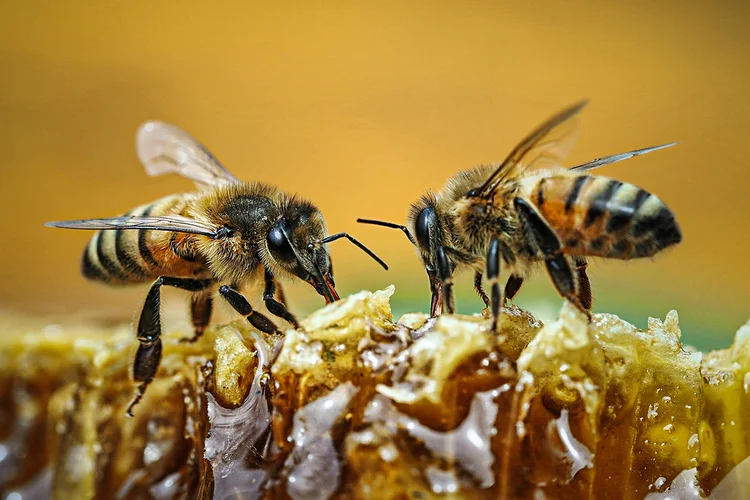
552,149
154,223
599,162
548,144
164,148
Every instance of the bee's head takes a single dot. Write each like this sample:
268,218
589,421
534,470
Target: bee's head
259,226
298,244
294,245
429,239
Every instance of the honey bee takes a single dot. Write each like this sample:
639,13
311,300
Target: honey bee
528,211
226,235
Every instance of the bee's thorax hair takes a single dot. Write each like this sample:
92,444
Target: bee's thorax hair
468,224
251,210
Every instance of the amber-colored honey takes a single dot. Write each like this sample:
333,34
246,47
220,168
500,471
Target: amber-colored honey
356,406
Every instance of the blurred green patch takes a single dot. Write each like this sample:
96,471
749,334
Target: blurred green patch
705,324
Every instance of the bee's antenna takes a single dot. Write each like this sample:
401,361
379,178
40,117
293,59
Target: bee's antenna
392,225
369,252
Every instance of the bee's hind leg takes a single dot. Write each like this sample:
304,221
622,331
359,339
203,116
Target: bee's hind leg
277,307
558,265
561,272
149,332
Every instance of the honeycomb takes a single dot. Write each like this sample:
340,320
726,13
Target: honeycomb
355,405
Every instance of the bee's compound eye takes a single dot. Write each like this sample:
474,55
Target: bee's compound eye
472,193
426,219
279,245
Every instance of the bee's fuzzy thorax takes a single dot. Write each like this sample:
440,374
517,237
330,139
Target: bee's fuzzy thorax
213,204
252,209
457,186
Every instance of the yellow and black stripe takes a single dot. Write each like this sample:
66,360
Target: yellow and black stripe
605,217
129,256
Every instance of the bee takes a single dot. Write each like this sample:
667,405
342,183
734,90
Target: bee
528,211
225,236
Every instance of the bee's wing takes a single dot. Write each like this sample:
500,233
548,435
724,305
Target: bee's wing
154,223
552,150
548,144
165,148
599,162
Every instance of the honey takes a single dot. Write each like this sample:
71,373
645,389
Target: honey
357,405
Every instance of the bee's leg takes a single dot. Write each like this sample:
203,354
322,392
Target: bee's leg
445,280
275,307
564,280
583,285
242,306
201,305
280,295
149,332
146,364
436,304
558,266
479,289
512,286
493,272
514,281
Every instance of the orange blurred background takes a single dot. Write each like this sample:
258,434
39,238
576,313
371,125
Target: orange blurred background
362,108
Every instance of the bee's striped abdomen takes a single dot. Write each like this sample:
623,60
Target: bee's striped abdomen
116,257
604,217
90,266
125,256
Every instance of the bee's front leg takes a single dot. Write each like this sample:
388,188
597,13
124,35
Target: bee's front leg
274,306
493,273
436,298
446,282
242,306
148,357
